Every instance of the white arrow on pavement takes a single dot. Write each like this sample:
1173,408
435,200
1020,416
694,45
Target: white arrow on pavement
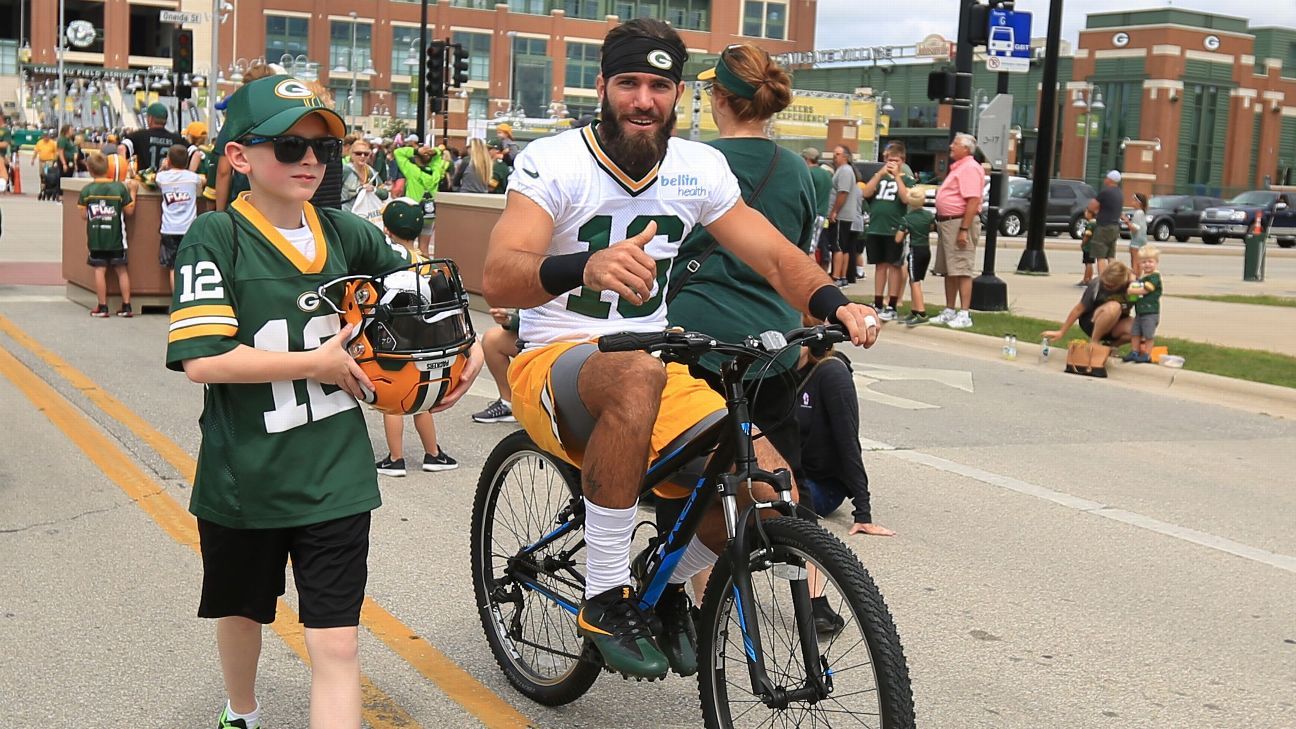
871,374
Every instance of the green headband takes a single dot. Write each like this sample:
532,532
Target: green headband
732,82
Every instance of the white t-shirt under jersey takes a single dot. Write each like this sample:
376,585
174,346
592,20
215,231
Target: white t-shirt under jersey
594,204
180,190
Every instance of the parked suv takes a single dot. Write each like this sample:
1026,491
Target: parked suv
1174,216
1067,201
1235,218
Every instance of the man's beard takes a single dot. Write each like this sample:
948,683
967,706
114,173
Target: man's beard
634,153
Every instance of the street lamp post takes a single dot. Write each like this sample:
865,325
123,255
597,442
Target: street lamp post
1089,99
62,43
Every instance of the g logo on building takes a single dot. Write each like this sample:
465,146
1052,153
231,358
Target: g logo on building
1121,39
295,89
660,59
309,301
1211,42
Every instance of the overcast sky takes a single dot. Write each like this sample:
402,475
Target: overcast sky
852,23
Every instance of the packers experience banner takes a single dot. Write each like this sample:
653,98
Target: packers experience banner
806,117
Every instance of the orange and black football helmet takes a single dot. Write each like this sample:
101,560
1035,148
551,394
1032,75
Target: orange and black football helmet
412,332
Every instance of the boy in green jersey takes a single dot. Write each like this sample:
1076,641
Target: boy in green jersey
284,468
105,205
887,192
1147,307
1086,255
918,224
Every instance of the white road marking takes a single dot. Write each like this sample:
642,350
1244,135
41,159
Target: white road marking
1203,539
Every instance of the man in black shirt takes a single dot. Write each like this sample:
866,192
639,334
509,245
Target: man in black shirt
149,146
1107,208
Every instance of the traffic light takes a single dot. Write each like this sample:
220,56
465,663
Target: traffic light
182,52
940,85
434,79
459,74
978,24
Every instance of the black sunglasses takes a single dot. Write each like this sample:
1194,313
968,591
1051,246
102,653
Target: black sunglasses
291,149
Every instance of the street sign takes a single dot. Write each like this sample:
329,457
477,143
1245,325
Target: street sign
176,16
992,130
1008,41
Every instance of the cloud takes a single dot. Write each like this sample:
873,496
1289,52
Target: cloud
853,23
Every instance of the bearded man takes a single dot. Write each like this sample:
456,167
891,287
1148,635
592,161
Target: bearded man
585,246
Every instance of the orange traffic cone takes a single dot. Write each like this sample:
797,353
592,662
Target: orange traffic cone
1256,229
15,178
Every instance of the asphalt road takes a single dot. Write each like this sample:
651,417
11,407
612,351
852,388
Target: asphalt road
1070,554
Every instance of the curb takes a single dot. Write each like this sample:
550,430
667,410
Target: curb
1254,397
1188,249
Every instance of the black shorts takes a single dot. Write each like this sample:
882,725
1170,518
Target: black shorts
103,259
884,249
167,248
839,238
919,260
243,571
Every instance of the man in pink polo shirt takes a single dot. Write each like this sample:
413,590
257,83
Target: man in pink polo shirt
958,228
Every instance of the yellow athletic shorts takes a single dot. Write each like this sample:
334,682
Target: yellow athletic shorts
685,402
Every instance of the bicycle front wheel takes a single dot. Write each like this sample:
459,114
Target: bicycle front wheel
527,597
861,660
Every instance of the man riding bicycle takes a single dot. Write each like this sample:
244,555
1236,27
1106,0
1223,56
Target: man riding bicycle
584,247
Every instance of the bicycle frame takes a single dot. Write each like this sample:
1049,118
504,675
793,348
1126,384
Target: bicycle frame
731,466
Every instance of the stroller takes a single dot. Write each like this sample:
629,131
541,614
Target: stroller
50,182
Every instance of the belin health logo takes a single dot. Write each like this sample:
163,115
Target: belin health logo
682,185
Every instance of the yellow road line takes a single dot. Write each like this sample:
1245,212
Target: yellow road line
458,684
380,710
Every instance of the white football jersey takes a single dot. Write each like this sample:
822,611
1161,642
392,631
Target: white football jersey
594,204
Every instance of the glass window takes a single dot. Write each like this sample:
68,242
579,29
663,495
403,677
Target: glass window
478,46
532,75
1203,100
764,19
689,14
476,4
582,64
405,48
531,7
8,57
340,44
579,106
285,35
587,9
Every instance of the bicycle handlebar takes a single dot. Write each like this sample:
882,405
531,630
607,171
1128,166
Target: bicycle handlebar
677,340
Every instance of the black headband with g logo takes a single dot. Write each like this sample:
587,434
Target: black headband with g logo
641,54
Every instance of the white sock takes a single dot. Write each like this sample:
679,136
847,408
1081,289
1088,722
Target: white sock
697,557
250,718
964,312
506,403
607,547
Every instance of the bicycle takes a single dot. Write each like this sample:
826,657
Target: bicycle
756,618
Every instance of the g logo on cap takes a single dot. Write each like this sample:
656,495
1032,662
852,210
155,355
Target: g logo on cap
660,59
293,89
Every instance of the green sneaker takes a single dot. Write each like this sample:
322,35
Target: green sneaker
915,319
678,636
227,723
621,632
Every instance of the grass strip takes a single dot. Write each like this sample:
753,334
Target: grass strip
1262,300
1242,364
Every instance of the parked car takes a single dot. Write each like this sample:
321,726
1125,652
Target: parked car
1235,218
1064,211
1174,216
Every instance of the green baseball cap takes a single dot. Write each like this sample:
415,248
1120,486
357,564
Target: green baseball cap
269,106
403,217
157,111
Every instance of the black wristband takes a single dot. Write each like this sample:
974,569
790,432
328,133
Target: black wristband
560,274
825,301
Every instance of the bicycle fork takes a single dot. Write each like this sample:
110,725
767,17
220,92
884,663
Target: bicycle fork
741,541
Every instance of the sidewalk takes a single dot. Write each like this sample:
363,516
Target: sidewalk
30,254
1186,269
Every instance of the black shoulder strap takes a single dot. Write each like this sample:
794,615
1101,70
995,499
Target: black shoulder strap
694,265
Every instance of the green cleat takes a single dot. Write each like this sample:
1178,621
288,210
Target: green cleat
620,631
678,636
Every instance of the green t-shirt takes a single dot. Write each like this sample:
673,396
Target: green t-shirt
1150,303
70,149
500,172
273,454
886,208
726,298
822,180
919,223
105,203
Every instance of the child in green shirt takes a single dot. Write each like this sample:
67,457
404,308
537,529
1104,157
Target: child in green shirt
105,205
1086,257
1147,307
918,224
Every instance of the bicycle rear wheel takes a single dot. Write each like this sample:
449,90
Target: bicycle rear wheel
862,662
527,602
